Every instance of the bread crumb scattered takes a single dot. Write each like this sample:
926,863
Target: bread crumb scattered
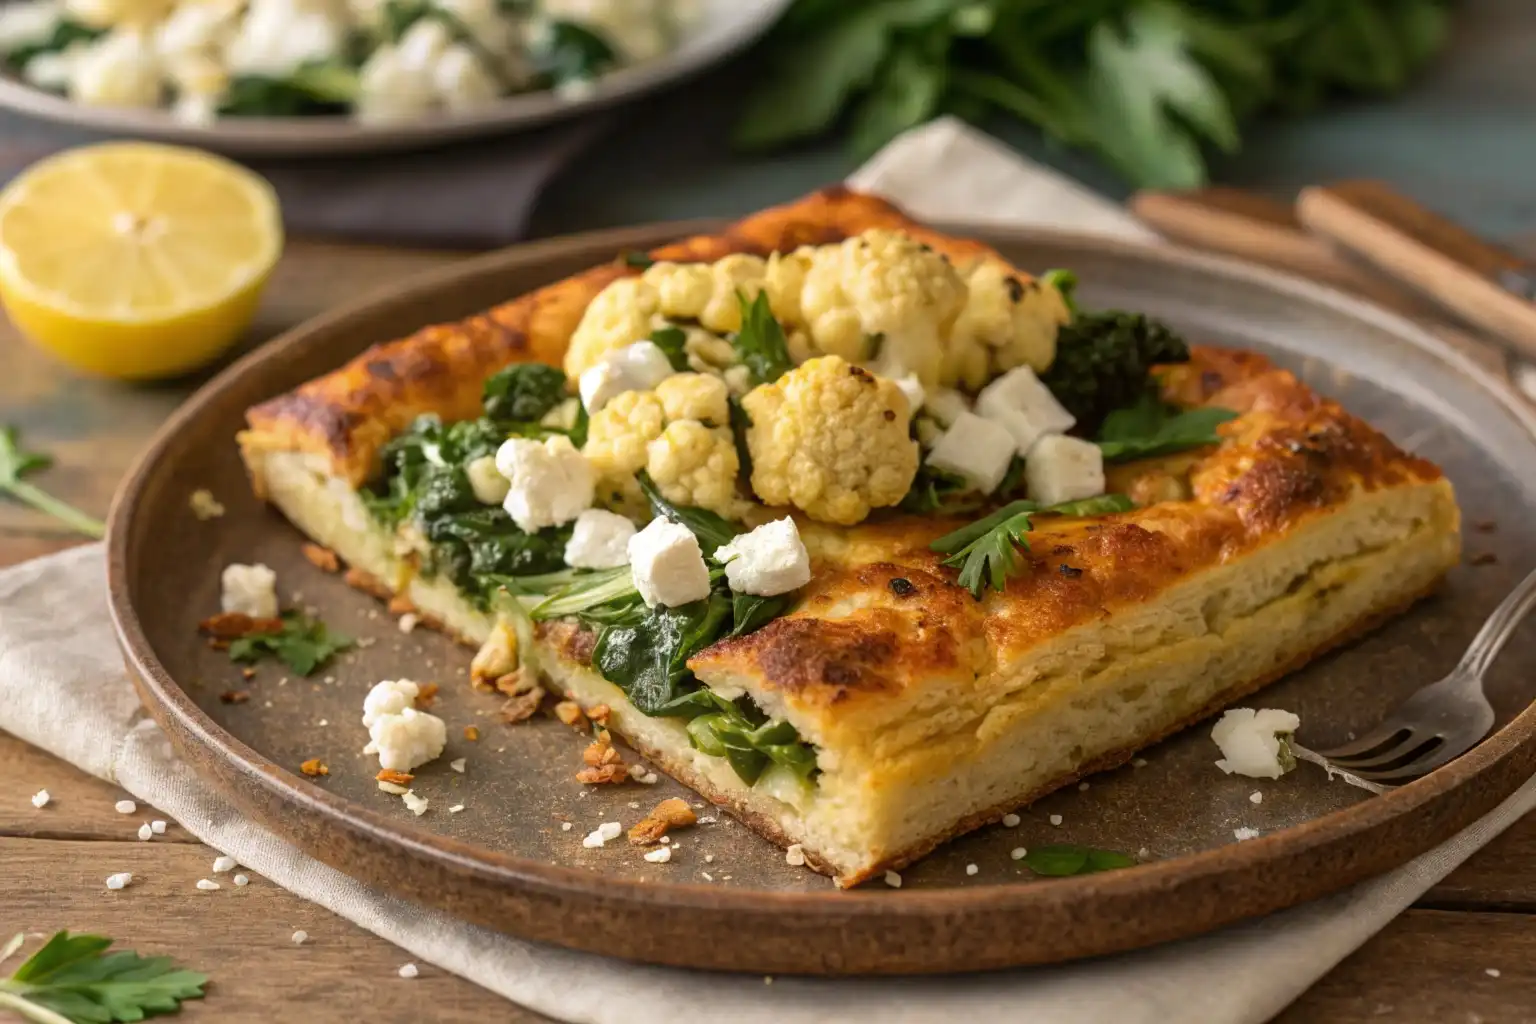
471,733
569,712
235,696
520,708
315,766
321,558
204,505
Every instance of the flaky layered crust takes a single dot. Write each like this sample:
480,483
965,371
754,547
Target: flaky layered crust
346,416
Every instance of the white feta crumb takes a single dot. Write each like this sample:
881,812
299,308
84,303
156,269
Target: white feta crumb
594,839
1256,743
125,806
976,449
1018,853
709,820
667,565
408,971
1492,972
893,880
648,779
551,483
634,805
599,540
145,832
322,723
707,876
40,798
119,880
610,830
1138,762
417,805
565,826
635,771
300,937
768,561
1055,819
1242,835
408,622
795,856
1082,787
1011,820
1061,468
1143,854
1020,403
637,367
241,881
1256,797
204,505
457,764
971,869
455,809
660,855
207,886
392,788
403,737
709,858
223,864
249,590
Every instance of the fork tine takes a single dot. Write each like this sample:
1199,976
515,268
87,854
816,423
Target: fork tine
1386,732
1396,752
1443,754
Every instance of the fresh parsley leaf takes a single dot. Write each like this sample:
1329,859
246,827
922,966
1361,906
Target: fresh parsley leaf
671,341
523,392
760,343
1152,427
303,644
15,463
637,260
73,977
1065,282
1059,861
713,531
604,595
987,551
649,660
934,490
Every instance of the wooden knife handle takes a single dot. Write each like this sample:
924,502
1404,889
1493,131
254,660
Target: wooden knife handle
1425,252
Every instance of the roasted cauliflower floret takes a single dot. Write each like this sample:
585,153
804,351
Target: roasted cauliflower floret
885,299
621,314
831,439
1007,321
680,434
707,292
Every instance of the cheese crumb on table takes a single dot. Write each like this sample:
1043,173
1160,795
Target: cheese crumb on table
1492,972
249,590
402,736
566,826
1256,743
204,505
1256,797
893,880
145,832
455,809
1018,853
1011,820
971,869
408,622
223,864
795,855
417,805
40,798
458,764
300,937
206,886
157,827
119,880
125,807
661,855
242,880
408,971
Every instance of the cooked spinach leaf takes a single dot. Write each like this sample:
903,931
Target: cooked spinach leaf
649,660
523,392
327,87
712,529
739,732
1152,427
671,341
567,51
1062,860
66,32
760,343
750,613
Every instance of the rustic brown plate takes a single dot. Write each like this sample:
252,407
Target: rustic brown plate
728,900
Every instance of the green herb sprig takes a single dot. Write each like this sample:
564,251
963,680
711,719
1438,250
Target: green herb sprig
15,463
760,343
72,979
1152,427
303,644
1060,861
987,551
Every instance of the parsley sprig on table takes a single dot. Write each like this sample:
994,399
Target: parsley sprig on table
987,551
72,979
16,463
303,644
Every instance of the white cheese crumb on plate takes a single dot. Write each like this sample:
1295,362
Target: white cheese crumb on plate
893,880
458,764
1018,853
660,855
1056,820
1242,835
1011,821
795,856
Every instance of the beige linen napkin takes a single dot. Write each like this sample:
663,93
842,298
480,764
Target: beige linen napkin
62,688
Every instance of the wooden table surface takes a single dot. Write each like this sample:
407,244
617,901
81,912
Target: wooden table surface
1465,953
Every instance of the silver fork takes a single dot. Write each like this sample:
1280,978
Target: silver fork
1443,720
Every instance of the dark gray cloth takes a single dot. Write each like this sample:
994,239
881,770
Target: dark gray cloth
474,194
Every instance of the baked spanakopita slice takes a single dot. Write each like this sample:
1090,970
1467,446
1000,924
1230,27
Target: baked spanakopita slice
863,533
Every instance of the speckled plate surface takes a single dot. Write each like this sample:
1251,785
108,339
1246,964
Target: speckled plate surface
724,27
513,857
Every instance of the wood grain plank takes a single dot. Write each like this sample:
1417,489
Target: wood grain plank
242,938
1431,967
1500,876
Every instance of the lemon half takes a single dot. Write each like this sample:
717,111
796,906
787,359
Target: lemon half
133,260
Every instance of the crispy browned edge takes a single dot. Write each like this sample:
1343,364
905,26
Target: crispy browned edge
347,415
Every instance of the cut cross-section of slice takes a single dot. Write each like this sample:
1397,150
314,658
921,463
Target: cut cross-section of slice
135,260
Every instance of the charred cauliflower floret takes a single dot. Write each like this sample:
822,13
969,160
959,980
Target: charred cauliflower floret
680,434
621,314
831,439
707,292
885,299
1007,322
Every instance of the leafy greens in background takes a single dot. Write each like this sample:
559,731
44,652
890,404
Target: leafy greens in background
1148,85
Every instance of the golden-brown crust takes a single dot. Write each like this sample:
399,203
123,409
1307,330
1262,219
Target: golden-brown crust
346,416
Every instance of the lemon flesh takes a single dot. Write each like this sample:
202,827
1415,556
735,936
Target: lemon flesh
133,260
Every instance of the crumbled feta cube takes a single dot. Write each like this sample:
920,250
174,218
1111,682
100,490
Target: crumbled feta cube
1024,406
417,805
145,832
300,937
610,830
767,561
1011,820
40,798
389,697
913,389
600,835
1018,853
223,864
241,881
976,449
119,880
408,739
945,405
249,590
408,971
971,869
455,809
489,485
1242,835
660,856
1255,797
157,827
669,568
893,880
551,482
1055,819
637,367
206,886
795,856
457,764
125,807
1256,743
599,540
1060,469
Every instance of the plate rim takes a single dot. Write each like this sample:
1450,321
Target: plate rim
272,793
